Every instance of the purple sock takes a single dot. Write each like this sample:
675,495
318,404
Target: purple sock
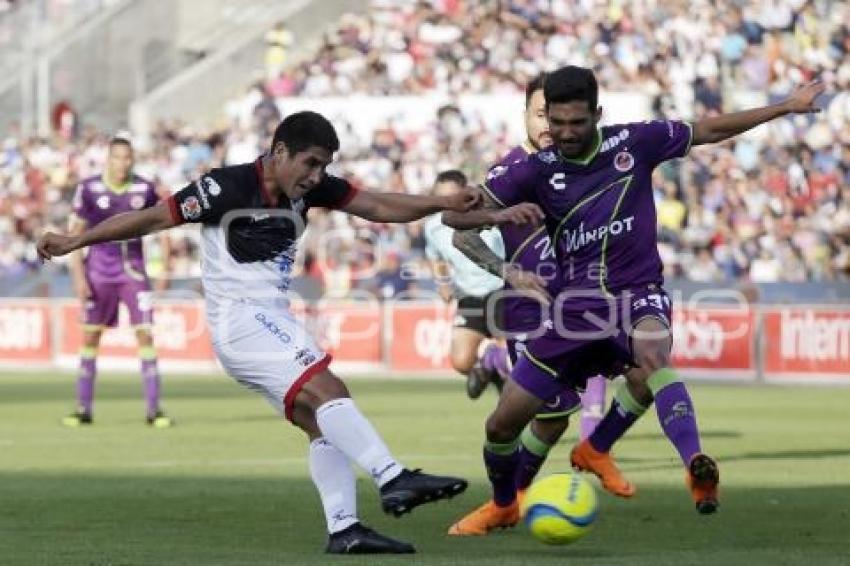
532,454
501,462
85,384
678,419
612,427
150,377
593,405
496,358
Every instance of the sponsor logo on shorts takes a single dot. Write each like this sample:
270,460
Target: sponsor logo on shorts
305,357
103,202
191,208
273,328
459,320
624,161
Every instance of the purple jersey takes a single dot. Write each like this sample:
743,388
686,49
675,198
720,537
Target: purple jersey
599,211
528,247
94,202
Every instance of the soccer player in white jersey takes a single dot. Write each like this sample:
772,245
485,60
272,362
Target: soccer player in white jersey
252,216
460,278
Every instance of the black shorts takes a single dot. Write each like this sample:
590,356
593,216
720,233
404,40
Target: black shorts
480,314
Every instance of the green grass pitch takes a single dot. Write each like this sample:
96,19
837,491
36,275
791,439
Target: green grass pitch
229,484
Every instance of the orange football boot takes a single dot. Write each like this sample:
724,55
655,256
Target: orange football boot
703,477
586,458
486,518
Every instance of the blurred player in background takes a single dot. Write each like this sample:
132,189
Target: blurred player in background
253,216
473,287
599,211
110,273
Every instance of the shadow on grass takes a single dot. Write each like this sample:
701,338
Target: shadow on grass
672,462
143,519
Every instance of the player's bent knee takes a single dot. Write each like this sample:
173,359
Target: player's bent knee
323,387
499,430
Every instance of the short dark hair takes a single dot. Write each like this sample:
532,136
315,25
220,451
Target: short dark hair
302,130
118,140
452,176
571,83
533,86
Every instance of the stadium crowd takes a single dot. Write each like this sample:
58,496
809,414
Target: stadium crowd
774,206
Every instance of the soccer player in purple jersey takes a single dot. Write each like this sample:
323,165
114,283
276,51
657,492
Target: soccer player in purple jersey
252,216
112,273
593,189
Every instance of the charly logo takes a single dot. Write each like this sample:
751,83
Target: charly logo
624,161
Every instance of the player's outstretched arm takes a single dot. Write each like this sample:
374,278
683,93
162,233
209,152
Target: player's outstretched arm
119,227
470,243
725,126
490,213
392,207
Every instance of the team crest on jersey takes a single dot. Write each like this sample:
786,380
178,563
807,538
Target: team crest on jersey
191,208
547,156
496,171
624,161
137,202
103,202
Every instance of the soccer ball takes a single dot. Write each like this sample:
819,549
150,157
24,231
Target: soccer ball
559,509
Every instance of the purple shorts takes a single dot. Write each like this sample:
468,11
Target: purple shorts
576,348
562,404
102,308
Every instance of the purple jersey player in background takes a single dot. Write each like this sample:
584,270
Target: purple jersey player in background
594,188
112,273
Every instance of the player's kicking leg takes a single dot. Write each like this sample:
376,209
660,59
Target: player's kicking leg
343,425
675,410
335,481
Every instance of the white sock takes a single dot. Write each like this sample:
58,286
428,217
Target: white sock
344,426
333,477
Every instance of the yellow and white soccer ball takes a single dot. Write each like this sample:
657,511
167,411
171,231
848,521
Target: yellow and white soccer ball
559,509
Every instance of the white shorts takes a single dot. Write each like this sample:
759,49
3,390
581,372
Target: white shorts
263,347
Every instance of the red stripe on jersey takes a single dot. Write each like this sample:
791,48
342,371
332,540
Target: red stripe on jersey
295,389
174,209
